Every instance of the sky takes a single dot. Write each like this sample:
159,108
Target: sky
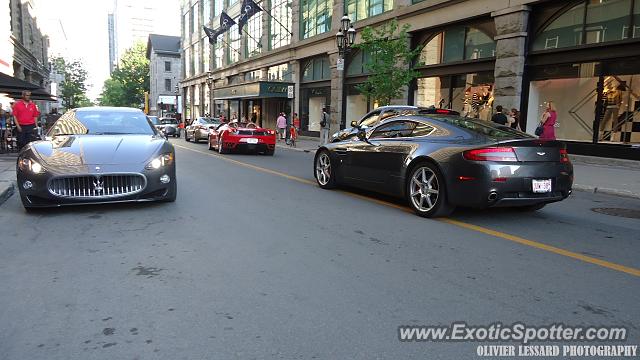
85,26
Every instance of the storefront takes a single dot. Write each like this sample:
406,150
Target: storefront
315,94
584,60
260,101
456,66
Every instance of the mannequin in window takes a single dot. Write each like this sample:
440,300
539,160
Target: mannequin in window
475,104
613,97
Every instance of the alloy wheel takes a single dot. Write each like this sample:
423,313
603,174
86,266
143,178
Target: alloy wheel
323,169
424,189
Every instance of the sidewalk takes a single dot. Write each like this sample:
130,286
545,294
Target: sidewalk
7,176
592,174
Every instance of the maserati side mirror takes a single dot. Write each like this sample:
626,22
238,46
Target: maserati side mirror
362,135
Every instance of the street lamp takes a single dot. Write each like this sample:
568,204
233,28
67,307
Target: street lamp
346,36
210,84
177,92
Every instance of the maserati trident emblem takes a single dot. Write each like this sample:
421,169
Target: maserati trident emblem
541,153
98,184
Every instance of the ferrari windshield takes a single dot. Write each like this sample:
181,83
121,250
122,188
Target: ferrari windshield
102,122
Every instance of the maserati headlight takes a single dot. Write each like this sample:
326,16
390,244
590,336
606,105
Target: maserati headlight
26,164
160,161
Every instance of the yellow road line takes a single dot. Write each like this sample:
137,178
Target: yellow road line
480,229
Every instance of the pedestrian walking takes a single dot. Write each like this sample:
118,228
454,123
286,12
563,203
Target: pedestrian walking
281,124
26,113
515,114
325,123
4,121
499,117
546,128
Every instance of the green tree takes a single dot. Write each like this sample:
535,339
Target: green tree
73,87
129,81
390,65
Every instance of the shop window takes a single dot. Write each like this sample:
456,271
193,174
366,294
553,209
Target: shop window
362,9
206,12
358,63
590,22
218,55
460,43
279,73
254,28
478,45
217,7
253,75
636,20
206,54
281,11
233,44
470,94
316,69
315,17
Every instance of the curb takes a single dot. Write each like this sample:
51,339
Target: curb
615,192
286,147
6,193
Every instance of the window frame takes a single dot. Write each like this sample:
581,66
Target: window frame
391,123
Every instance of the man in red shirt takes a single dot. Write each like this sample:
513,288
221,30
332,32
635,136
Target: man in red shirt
26,113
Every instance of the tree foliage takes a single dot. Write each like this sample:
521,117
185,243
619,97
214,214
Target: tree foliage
129,81
390,61
73,87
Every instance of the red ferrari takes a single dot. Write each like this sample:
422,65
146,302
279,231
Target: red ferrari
242,137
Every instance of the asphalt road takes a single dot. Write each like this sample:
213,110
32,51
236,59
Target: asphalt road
254,261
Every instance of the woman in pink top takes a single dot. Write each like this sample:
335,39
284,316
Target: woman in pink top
548,122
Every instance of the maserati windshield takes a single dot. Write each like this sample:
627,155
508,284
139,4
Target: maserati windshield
102,123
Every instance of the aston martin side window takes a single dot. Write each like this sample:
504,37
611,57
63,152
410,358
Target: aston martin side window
393,129
422,129
371,119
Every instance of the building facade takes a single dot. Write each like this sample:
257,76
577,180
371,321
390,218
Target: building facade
24,50
474,55
165,73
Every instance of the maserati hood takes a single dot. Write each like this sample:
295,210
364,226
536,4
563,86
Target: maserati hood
79,150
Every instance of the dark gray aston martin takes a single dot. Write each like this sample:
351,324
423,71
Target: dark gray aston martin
440,160
97,155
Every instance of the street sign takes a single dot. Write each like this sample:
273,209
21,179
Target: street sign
290,91
340,64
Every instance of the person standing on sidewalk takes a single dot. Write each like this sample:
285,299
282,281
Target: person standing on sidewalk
548,122
325,122
25,112
281,124
499,117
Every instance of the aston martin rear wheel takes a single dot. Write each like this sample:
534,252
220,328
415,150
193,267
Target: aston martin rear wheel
426,191
324,171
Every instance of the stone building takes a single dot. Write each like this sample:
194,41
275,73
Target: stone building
24,50
475,55
165,72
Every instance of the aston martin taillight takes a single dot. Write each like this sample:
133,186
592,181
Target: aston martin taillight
491,154
564,156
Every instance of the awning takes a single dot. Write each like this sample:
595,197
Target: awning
260,89
167,99
36,94
10,83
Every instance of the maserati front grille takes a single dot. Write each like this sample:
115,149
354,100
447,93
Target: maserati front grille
97,186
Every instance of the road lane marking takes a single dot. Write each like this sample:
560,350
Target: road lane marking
468,226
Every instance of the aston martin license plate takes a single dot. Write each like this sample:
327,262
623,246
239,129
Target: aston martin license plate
541,186
252,141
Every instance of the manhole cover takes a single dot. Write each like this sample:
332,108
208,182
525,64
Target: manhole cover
627,213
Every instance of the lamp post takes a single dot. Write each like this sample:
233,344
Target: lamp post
345,38
177,92
210,85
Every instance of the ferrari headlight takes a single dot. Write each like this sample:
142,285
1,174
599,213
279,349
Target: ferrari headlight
160,161
26,164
